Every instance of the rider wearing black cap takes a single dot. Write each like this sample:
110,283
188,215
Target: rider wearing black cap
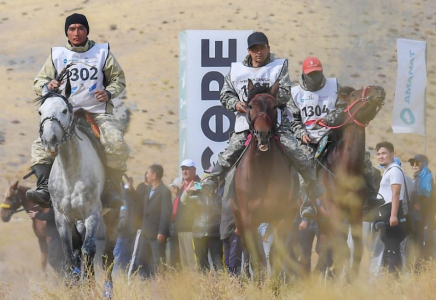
96,78
263,69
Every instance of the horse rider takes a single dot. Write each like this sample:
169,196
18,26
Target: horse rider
95,79
314,101
262,68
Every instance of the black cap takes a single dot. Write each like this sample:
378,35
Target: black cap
419,158
257,38
76,19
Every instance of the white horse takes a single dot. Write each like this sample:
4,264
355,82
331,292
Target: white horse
76,184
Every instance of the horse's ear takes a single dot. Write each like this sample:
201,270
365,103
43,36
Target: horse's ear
14,186
250,85
274,89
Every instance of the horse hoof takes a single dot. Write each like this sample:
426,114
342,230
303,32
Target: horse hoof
108,290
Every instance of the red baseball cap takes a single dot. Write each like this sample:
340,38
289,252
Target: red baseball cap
311,64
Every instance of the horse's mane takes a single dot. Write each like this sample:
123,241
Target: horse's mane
41,99
346,90
262,89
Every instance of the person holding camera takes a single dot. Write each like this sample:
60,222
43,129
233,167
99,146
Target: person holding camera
185,216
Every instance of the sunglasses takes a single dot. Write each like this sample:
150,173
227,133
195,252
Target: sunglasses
415,164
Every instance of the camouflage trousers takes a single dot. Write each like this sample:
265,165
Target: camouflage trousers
295,155
111,137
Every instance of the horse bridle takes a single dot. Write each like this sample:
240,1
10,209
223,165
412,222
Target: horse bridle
251,122
13,201
363,100
68,131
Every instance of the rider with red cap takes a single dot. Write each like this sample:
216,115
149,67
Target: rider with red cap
315,101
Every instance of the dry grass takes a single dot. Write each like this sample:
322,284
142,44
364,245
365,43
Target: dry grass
193,285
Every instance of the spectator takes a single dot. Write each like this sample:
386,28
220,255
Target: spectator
391,216
206,226
231,239
139,194
155,223
126,235
422,208
173,240
185,216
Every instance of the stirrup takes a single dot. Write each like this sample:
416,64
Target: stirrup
308,211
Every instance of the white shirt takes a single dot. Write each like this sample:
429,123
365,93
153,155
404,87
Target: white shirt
392,175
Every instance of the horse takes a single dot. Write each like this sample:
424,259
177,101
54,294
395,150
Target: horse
15,197
342,176
76,184
263,183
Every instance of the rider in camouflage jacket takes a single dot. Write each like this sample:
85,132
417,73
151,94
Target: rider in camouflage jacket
111,128
257,42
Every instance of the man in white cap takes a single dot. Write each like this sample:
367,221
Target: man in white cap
185,216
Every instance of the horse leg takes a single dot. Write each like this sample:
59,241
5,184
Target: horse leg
64,227
356,233
281,261
43,246
111,221
88,247
252,242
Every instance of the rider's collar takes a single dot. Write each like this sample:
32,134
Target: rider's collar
83,48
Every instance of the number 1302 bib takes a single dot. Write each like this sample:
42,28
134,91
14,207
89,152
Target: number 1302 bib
86,74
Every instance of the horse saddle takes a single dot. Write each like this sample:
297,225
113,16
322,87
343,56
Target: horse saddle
87,125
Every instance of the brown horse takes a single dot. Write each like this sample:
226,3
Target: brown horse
342,175
263,183
15,197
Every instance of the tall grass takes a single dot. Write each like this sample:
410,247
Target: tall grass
198,285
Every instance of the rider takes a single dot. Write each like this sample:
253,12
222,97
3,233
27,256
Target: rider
262,68
315,101
95,80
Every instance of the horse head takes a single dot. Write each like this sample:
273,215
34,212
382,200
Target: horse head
56,120
363,104
262,113
12,202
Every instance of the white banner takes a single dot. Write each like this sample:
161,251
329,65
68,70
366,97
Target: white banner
408,115
205,57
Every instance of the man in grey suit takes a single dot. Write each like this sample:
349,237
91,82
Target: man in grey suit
155,223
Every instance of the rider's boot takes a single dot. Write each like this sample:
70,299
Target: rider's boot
112,197
40,195
210,184
314,190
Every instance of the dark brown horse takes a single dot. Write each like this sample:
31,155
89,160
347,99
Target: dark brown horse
263,183
342,176
15,199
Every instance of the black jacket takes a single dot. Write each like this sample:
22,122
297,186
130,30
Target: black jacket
157,212
208,216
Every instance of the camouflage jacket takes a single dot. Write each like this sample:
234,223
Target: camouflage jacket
114,80
229,97
334,118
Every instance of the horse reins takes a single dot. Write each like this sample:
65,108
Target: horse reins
68,131
364,101
8,206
